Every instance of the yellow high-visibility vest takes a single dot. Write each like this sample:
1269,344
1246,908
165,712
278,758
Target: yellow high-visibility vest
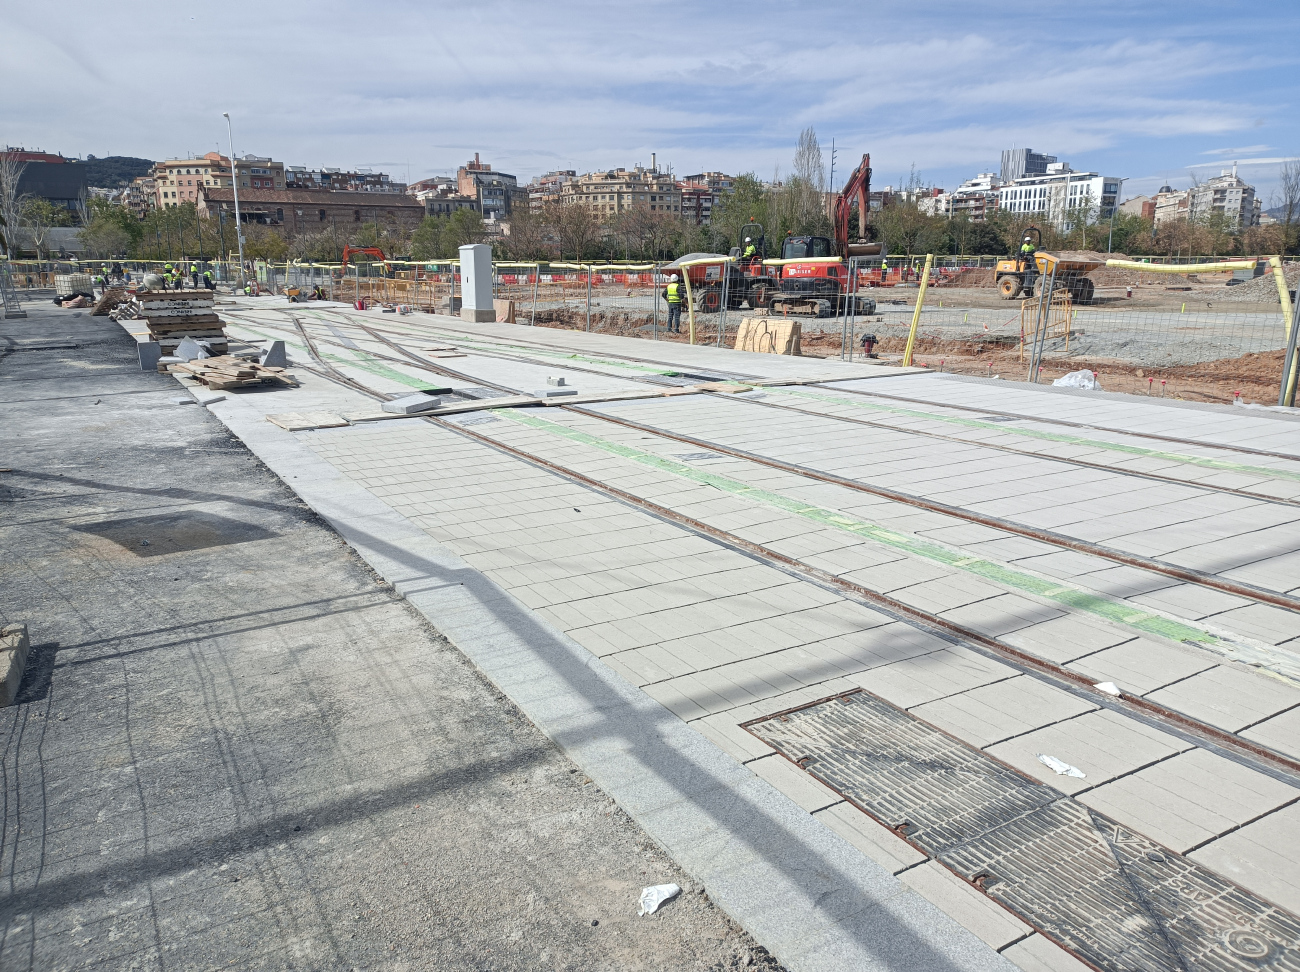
674,295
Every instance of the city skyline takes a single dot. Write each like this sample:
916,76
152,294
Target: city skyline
1150,95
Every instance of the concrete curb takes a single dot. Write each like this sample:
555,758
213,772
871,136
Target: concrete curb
808,896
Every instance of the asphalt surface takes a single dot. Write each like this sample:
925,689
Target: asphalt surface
236,746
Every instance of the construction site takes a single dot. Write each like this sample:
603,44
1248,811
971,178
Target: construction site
462,616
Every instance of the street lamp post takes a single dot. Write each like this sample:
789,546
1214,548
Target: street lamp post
234,184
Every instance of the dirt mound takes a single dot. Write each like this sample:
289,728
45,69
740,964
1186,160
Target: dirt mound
967,277
1263,290
1085,256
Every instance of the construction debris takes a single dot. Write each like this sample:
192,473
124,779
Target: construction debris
109,300
228,371
177,314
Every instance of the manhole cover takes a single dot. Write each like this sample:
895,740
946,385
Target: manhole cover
152,536
1116,898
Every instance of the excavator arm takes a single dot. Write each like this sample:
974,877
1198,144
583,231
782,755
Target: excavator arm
856,190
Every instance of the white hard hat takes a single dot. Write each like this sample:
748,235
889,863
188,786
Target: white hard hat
747,240
672,276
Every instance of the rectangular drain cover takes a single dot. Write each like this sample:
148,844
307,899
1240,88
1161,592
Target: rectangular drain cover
1117,899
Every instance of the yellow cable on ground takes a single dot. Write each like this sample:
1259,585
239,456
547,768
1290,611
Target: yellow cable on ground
1181,267
916,314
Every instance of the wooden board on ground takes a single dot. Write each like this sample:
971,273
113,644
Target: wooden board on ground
227,371
303,421
505,310
768,335
110,299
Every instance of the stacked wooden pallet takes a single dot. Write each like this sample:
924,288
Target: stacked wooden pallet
229,371
176,314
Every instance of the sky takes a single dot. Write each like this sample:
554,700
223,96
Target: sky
1151,92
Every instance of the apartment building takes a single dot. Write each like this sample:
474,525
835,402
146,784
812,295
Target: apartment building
617,190
1060,191
179,181
1018,163
547,188
357,180
1228,195
497,193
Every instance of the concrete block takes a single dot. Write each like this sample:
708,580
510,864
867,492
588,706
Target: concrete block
150,352
274,356
14,646
411,404
557,382
554,392
478,316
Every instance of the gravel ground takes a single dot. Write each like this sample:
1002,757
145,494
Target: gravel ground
236,747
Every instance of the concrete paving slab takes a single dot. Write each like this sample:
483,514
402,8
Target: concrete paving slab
1103,744
875,840
1038,954
1229,697
1281,732
935,675
1190,799
1263,856
992,713
1142,665
994,925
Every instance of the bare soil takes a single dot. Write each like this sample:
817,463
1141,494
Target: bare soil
1252,377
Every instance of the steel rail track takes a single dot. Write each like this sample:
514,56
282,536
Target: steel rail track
1268,761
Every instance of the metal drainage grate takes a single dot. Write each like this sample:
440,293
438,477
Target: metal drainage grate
1117,899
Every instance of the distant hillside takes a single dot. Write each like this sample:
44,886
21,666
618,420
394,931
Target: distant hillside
114,172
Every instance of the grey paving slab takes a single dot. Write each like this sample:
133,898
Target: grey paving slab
794,783
1064,639
875,840
1102,744
1228,697
994,925
991,713
1142,665
1263,856
934,675
1190,799
1281,732
601,721
1037,954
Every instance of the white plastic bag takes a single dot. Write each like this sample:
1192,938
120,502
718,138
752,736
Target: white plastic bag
653,898
1078,379
1060,767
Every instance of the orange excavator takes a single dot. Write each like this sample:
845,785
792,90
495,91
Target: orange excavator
813,271
372,251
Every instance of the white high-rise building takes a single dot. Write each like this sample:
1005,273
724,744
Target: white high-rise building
1059,192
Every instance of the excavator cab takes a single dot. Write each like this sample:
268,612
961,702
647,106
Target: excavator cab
806,248
754,233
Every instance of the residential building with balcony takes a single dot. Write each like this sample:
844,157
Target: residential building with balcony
497,193
1060,192
617,190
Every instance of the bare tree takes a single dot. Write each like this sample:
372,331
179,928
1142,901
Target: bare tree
577,228
11,203
38,218
1287,198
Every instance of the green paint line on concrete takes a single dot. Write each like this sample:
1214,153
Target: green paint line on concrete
461,340
1062,437
1120,612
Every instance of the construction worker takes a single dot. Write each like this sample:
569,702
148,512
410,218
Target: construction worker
1028,264
750,250
207,280
318,293
194,274
884,271
168,275
673,294
248,290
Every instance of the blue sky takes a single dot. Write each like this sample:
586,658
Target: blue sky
1152,92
